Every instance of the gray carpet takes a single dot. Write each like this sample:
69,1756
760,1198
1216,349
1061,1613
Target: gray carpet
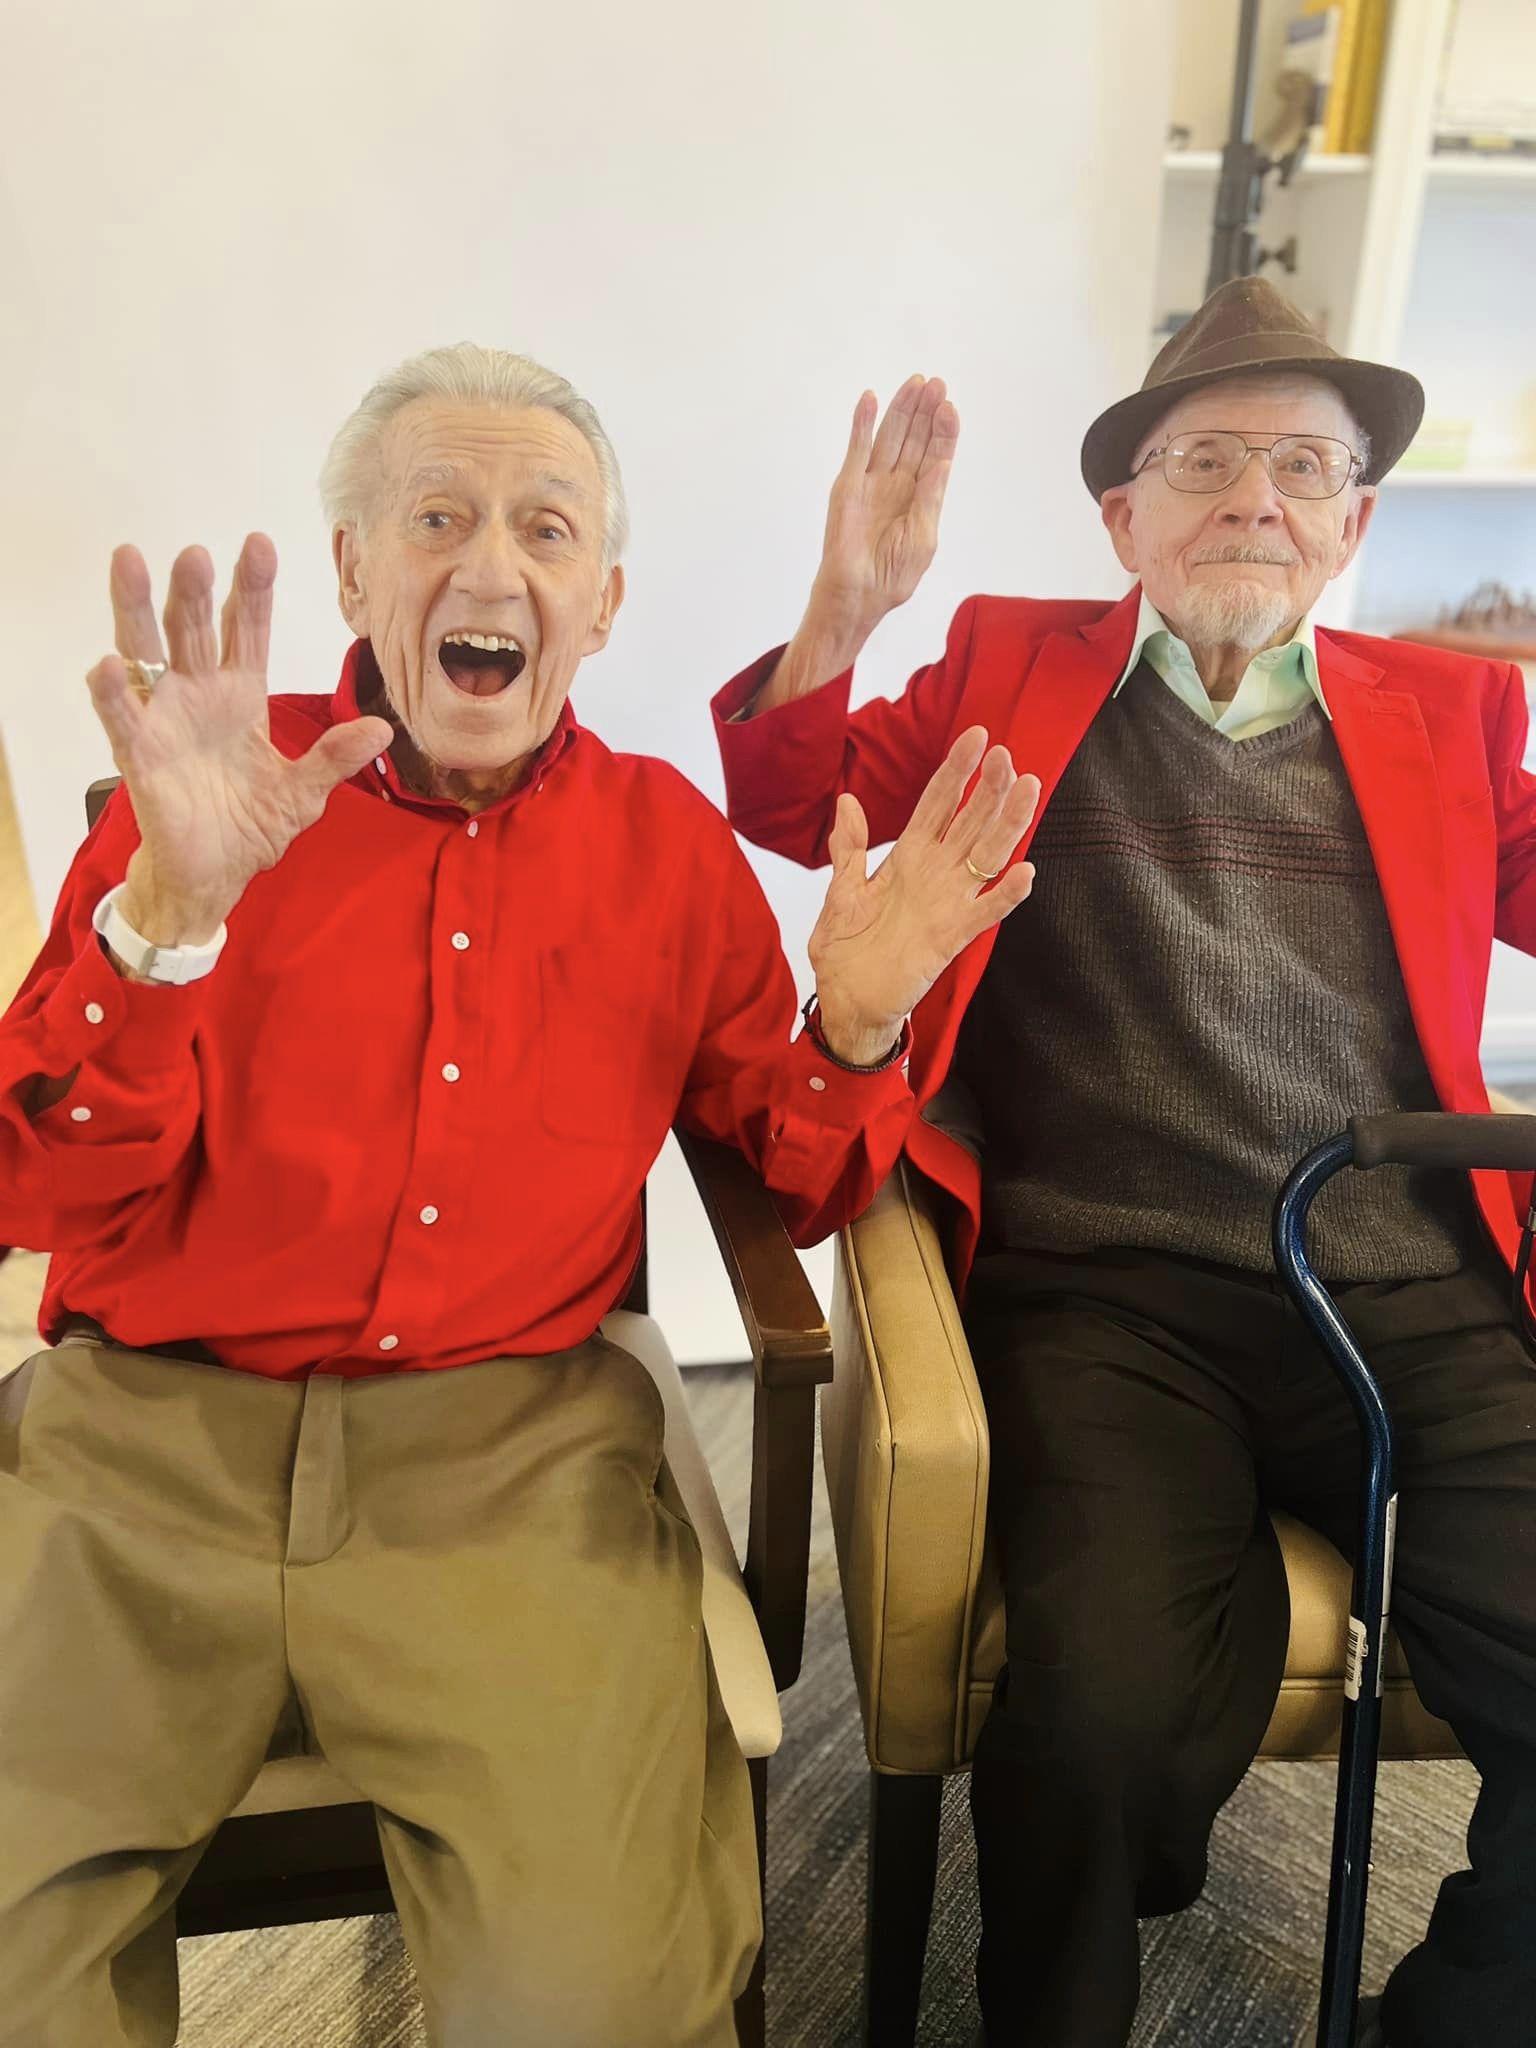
1237,1971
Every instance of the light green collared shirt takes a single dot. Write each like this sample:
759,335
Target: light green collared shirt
1278,684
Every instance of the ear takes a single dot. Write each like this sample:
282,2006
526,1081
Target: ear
1356,520
350,595
602,625
1115,511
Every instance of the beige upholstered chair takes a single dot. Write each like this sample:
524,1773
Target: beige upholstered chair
303,1846
904,1440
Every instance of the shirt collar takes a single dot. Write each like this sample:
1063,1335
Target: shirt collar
360,680
1155,639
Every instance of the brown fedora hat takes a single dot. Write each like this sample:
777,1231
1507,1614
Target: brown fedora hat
1247,327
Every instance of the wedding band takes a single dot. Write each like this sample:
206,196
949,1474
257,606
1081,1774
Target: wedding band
145,674
981,873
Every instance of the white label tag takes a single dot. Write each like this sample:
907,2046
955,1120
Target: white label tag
1356,1651
1386,1593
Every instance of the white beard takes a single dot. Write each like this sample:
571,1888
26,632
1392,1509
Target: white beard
1232,613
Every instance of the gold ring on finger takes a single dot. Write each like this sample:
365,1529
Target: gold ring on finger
145,674
982,874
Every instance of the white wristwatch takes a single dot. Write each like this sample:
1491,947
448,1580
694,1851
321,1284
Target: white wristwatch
172,964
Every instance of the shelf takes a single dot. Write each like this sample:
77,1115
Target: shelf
1500,172
1461,479
1206,163
1456,173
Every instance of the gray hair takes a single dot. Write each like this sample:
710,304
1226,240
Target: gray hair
472,375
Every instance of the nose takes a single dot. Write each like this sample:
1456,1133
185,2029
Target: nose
1251,498
492,567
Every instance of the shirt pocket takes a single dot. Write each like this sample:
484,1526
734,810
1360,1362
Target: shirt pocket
597,1033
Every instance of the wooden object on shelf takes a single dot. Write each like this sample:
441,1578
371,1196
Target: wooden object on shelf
1493,622
1311,52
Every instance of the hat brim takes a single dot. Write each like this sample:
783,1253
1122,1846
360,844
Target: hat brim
1388,404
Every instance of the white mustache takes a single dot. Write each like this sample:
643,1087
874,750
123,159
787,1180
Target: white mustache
1245,552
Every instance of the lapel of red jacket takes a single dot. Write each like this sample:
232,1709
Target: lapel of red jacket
1063,689
1390,764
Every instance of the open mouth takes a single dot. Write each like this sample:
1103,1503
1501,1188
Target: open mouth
481,664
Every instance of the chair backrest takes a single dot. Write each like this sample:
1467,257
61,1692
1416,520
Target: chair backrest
638,1298
96,798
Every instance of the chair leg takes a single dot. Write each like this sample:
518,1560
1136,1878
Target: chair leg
903,1863
751,2007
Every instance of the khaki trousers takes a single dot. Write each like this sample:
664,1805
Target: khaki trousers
479,1594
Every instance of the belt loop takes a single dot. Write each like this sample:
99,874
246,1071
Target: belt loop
317,1511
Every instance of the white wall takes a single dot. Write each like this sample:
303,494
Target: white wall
220,222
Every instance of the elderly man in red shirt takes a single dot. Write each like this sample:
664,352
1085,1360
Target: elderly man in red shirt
333,1093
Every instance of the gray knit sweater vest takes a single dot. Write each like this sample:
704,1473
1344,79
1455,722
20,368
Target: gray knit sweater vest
1201,987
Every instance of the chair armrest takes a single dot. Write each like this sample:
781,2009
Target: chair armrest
791,1345
904,1441
792,1354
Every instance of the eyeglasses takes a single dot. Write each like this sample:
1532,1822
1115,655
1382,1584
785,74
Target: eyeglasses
1299,465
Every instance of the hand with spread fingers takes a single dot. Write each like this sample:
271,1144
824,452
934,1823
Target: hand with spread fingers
881,533
883,939
215,801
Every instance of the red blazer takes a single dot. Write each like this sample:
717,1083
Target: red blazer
1432,744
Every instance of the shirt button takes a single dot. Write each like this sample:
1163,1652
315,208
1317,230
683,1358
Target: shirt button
80,1116
429,1214
388,1343
450,1072
379,764
817,1083
94,1013
460,942
474,828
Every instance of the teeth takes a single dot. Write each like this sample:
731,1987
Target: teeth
489,643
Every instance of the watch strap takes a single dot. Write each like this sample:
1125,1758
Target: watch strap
810,1012
173,965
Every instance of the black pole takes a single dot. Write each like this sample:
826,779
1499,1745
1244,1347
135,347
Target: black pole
1239,194
1370,1596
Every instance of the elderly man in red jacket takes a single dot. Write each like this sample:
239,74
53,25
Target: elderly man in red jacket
333,1093
1272,861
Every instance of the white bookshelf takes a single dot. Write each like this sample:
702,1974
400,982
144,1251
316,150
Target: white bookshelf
1403,256
1496,172
1406,257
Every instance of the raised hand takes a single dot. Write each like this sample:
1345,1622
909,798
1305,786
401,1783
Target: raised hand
882,529
883,516
215,801
883,939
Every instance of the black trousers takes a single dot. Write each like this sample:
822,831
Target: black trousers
1145,1410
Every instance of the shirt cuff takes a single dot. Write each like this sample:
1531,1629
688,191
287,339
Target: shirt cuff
825,1089
94,1013
730,703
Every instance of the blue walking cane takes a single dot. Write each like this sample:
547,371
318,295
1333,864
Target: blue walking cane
1428,1139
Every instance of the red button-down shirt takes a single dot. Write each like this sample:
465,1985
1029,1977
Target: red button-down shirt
406,1120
